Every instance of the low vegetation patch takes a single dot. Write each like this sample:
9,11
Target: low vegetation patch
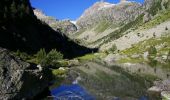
123,28
101,27
113,49
52,58
91,56
131,60
78,33
141,47
156,47
58,72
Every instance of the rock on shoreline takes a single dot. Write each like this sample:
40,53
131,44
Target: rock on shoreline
18,79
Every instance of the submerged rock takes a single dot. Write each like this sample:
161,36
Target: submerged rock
112,58
18,79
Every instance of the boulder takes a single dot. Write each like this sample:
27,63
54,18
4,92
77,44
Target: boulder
165,95
147,17
135,56
18,79
112,58
161,89
74,62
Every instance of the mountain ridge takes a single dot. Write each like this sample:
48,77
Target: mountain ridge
64,26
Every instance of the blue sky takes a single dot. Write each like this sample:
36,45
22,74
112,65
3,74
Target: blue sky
66,9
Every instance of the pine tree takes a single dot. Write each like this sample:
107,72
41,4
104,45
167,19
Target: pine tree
152,52
22,10
5,12
13,9
27,10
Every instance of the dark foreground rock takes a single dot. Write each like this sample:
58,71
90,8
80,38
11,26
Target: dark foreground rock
18,79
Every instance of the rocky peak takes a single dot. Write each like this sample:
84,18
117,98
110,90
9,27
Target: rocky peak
41,15
123,0
116,13
97,6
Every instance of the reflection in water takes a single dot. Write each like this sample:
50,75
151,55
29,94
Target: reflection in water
109,82
71,92
76,92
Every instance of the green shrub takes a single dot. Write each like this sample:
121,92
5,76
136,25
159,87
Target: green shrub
168,57
152,52
58,72
40,55
63,63
24,56
166,28
113,49
155,7
52,58
54,55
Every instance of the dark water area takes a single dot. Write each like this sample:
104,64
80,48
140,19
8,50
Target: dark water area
71,92
76,92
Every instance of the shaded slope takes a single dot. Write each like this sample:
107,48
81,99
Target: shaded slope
20,30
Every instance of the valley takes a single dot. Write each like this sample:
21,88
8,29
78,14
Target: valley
111,52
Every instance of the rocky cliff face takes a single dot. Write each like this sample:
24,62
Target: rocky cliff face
47,19
64,26
18,79
120,13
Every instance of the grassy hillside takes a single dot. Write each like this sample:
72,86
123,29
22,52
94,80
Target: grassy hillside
162,44
120,32
161,17
136,53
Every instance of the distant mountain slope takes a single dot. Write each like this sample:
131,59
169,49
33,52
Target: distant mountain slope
103,19
21,30
104,25
64,26
157,13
